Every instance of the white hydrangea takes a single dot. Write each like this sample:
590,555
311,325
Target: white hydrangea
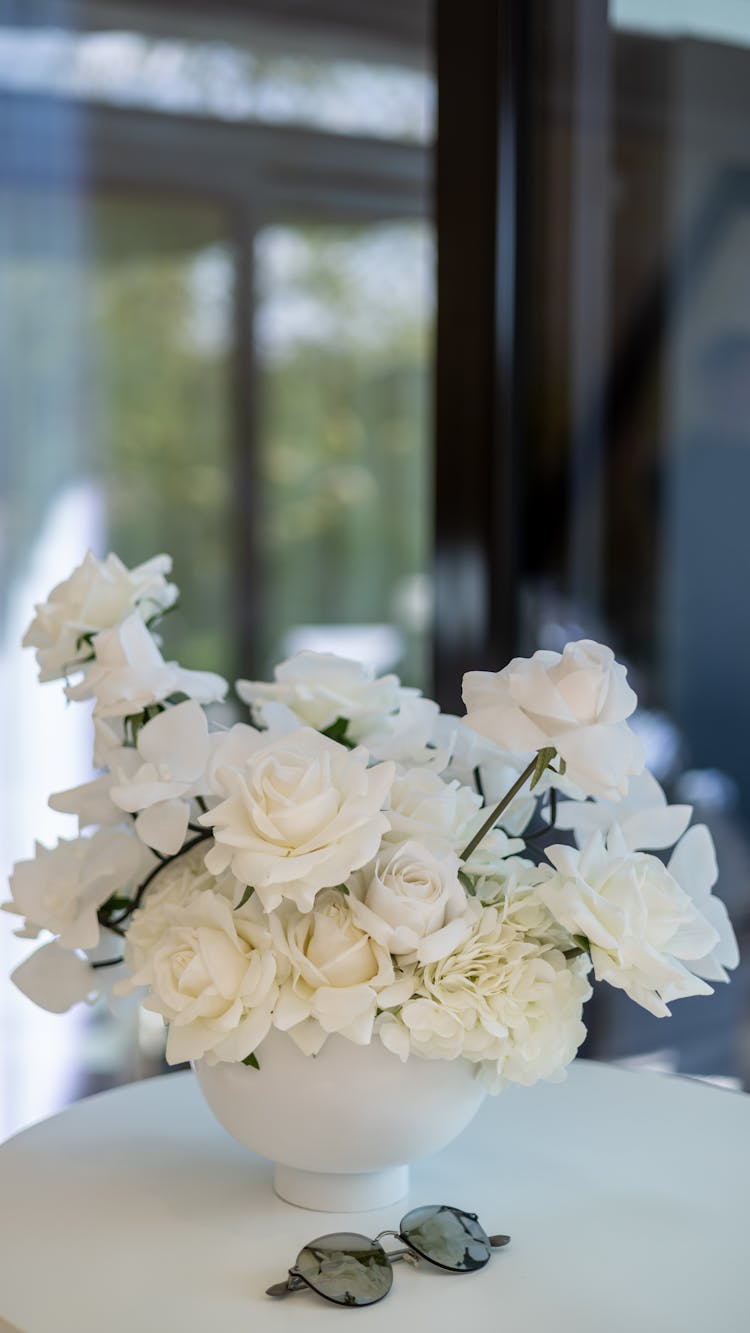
507,1002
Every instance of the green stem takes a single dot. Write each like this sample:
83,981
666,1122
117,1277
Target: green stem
502,805
115,921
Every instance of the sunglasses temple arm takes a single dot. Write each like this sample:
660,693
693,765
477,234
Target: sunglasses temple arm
280,1289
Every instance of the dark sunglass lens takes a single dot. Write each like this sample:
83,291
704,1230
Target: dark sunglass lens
346,1268
448,1237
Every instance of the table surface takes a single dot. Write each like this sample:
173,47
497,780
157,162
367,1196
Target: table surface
627,1196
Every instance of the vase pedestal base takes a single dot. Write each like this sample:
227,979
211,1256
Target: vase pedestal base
341,1192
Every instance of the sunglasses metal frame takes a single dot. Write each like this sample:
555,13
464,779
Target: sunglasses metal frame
296,1281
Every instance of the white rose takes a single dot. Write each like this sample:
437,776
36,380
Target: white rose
174,888
174,749
61,889
212,972
643,929
129,674
392,721
500,999
301,813
320,688
338,972
423,806
411,902
97,596
576,702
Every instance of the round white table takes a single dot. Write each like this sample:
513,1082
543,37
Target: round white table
627,1196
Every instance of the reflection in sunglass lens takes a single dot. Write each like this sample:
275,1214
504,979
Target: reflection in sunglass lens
346,1268
447,1237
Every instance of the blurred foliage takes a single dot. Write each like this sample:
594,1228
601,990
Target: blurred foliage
126,383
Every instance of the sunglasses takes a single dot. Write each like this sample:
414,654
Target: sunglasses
349,1269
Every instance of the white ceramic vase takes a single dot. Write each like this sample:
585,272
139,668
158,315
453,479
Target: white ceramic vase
341,1127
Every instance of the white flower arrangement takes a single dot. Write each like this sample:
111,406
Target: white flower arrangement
351,860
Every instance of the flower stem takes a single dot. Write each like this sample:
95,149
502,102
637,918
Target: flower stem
501,805
116,920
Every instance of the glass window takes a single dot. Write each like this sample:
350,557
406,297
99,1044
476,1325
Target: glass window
639,452
187,366
343,334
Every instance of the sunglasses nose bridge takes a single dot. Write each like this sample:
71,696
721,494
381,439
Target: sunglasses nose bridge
396,1235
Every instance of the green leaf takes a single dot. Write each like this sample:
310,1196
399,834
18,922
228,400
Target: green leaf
247,895
543,761
160,614
251,1061
337,732
468,883
116,903
561,767
581,946
343,889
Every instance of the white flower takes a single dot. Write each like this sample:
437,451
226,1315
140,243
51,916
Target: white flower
576,702
175,750
97,596
645,820
423,806
92,801
472,756
129,673
301,812
496,857
464,750
212,973
507,1002
320,688
411,901
392,721
693,865
404,735
55,978
338,972
172,890
60,890
643,929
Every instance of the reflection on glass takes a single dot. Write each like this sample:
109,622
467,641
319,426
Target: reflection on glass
447,1237
662,175
216,78
346,1268
115,333
343,332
